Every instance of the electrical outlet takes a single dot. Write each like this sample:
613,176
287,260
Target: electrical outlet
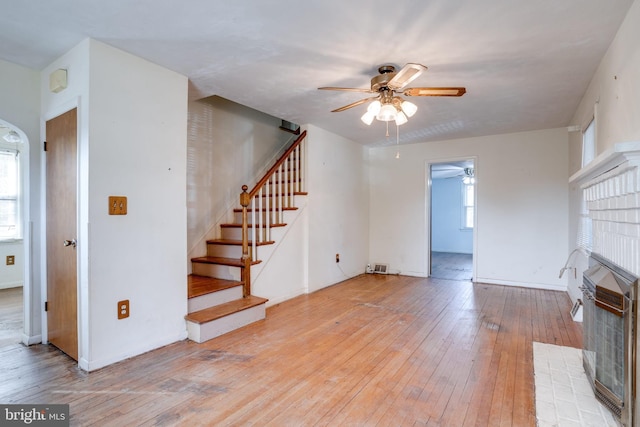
117,205
123,309
337,257
11,259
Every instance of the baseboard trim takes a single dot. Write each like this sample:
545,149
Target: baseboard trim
31,340
517,284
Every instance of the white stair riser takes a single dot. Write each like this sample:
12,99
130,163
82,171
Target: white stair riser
225,251
273,217
206,331
215,270
235,233
214,298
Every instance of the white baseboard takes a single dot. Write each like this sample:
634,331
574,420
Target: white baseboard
31,340
8,285
546,286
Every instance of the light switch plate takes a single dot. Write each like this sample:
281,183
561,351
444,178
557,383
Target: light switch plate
117,205
11,259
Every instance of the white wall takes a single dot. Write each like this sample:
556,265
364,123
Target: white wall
11,276
614,88
132,142
446,218
229,145
20,107
522,206
283,273
338,208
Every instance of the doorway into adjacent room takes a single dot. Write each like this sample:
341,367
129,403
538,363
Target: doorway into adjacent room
14,248
452,219
61,203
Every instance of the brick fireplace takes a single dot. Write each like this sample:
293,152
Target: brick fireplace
610,231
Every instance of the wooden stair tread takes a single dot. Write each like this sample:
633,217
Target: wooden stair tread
233,262
202,285
237,242
222,310
238,225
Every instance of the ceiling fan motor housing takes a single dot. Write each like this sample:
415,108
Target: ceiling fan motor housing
382,80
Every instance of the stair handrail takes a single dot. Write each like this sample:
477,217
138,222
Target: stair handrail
263,186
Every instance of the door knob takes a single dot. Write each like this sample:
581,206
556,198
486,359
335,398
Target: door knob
70,243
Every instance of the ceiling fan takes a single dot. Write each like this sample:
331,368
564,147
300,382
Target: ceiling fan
387,105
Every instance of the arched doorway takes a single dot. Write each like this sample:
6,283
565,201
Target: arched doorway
15,280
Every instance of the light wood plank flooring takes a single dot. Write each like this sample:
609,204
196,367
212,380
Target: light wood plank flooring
452,266
374,350
10,316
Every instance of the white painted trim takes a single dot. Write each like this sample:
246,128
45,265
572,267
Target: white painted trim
291,295
30,340
513,283
14,284
25,213
427,201
131,352
54,112
607,160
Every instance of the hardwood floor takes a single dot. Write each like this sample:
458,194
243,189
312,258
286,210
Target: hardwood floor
452,266
373,350
10,316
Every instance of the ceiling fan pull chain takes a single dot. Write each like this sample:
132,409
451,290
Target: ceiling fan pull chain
397,141
387,129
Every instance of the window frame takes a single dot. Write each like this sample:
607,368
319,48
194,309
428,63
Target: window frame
466,207
16,235
589,142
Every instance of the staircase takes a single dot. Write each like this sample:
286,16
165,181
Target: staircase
219,288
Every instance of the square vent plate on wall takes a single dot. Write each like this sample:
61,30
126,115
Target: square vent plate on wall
380,268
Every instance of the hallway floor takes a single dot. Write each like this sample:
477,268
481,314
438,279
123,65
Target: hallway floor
451,266
10,316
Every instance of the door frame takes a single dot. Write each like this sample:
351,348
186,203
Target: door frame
428,213
81,237
28,336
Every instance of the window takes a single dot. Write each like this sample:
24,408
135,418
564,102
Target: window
468,203
589,143
9,194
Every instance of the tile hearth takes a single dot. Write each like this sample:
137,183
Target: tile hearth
564,397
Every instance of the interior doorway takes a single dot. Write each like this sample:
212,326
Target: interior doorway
61,188
452,219
14,234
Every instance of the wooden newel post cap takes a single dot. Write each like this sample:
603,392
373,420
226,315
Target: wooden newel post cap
245,198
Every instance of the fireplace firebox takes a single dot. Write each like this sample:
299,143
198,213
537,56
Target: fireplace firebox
609,353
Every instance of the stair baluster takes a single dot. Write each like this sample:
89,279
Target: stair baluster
269,197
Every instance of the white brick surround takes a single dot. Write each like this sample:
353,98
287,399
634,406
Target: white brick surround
611,194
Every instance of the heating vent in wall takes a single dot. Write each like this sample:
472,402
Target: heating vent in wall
380,268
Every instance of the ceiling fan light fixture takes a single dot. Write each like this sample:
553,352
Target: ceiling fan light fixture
387,113
409,108
12,136
401,118
367,118
374,107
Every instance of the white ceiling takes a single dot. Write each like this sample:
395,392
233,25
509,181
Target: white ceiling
525,64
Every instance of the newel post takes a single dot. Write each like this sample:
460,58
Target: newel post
245,200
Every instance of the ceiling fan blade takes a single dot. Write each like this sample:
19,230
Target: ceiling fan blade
354,104
346,89
434,91
406,75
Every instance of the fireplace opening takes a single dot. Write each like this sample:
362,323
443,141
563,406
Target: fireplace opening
609,337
